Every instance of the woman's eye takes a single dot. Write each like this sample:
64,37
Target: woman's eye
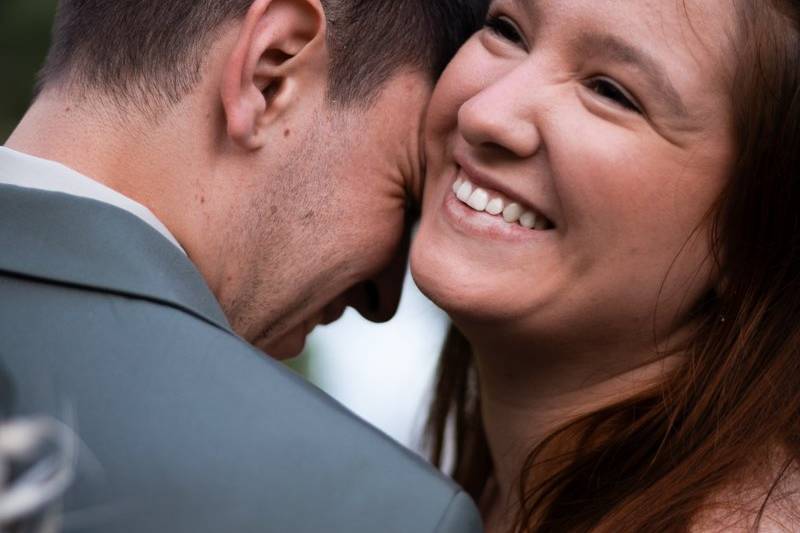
611,91
504,28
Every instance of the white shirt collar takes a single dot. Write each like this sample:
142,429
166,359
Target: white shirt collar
23,170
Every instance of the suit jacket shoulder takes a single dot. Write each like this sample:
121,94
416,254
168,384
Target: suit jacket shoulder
184,426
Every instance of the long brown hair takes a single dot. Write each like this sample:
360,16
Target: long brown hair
650,463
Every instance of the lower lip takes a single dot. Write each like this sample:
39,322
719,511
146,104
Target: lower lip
472,223
326,317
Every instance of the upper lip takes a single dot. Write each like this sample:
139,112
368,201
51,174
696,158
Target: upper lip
485,180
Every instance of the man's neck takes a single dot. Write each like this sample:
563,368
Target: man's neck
155,164
78,133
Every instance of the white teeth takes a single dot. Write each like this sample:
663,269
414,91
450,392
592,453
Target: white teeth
528,220
495,207
512,213
478,200
464,192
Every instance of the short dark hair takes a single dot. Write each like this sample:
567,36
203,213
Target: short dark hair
154,49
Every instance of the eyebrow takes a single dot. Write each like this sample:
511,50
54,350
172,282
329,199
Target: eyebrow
594,44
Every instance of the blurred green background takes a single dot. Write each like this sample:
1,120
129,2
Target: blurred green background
24,38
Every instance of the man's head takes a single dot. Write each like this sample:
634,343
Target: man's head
283,138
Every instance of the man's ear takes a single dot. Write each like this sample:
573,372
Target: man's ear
279,40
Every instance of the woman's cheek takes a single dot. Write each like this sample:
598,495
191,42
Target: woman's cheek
465,77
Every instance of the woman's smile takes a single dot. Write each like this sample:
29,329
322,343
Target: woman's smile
565,144
605,180
480,205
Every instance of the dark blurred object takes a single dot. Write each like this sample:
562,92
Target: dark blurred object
24,39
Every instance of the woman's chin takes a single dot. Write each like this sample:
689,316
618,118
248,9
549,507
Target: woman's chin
465,300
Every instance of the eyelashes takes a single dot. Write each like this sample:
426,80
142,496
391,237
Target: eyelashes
611,91
504,28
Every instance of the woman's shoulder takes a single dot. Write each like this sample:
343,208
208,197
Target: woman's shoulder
765,499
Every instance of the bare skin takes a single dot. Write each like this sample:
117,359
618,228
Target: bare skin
610,121
287,206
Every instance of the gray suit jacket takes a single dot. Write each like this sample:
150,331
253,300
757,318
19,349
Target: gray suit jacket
184,427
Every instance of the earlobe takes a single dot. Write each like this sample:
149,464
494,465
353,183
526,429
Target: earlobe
279,41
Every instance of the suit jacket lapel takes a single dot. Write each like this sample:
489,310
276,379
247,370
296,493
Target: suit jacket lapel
75,241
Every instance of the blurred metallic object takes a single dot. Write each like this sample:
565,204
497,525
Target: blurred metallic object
37,458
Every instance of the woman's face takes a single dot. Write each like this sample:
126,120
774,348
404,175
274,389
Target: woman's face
574,148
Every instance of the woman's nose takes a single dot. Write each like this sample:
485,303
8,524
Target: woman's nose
495,118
